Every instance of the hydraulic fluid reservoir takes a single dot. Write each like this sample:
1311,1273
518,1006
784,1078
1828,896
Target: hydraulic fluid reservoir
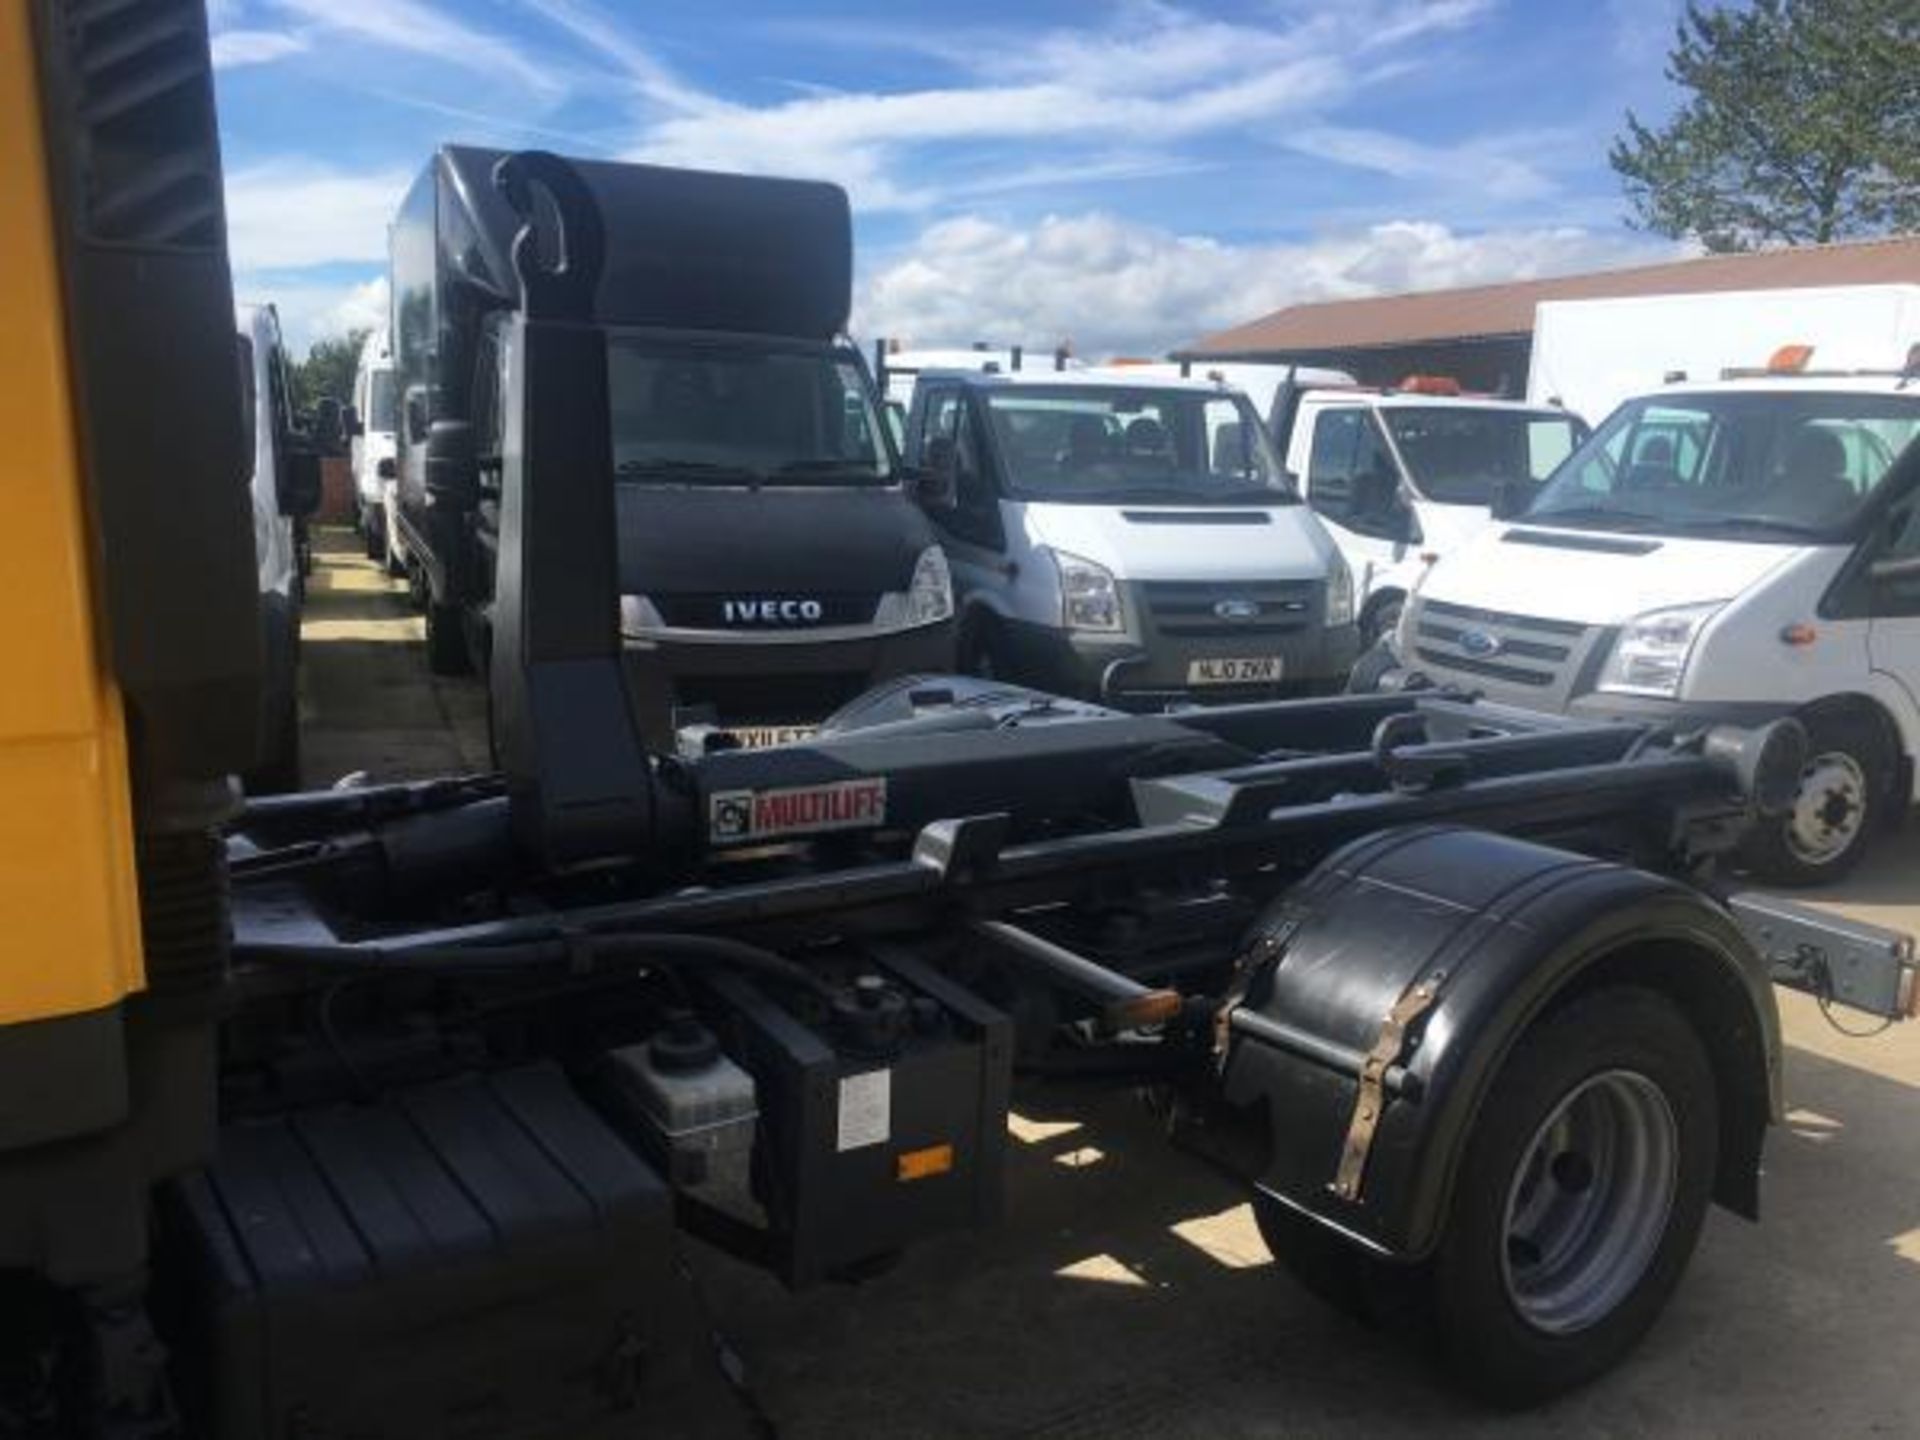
697,1111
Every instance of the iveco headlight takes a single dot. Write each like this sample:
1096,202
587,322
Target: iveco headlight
930,596
1089,600
1650,656
1340,591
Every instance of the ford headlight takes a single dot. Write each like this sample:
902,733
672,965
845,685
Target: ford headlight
930,596
1650,656
1089,599
1340,591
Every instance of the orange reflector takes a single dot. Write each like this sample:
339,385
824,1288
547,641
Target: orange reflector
1798,633
1156,1007
1790,359
1430,385
920,1164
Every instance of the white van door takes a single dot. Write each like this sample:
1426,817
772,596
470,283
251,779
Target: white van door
1893,634
972,531
1353,484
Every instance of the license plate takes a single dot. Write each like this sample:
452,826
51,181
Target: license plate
763,737
1254,670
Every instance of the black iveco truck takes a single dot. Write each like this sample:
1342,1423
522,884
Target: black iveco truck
772,563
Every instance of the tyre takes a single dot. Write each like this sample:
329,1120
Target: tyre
1843,790
1578,1199
1375,661
1380,619
373,530
447,652
981,653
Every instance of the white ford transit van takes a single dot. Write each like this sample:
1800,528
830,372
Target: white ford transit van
1128,539
1736,551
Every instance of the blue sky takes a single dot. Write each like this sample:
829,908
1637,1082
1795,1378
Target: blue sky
1126,175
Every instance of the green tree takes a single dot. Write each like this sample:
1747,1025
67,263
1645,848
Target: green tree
1801,124
328,369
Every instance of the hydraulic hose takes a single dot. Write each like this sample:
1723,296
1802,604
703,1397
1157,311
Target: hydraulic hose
582,952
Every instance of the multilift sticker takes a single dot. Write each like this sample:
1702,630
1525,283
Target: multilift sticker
866,1109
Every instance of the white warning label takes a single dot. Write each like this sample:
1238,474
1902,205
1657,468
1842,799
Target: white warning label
866,1109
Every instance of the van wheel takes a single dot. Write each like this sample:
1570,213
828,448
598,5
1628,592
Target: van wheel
447,652
1843,786
373,529
1380,619
1579,1197
981,654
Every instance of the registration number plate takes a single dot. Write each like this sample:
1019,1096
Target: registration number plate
1253,670
763,737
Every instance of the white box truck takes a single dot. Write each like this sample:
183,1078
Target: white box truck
1589,355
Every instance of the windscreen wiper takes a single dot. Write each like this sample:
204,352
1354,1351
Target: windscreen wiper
704,469
829,469
1748,524
1606,514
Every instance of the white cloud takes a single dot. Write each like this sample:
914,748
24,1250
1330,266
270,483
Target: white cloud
311,310
1485,165
289,213
1151,74
234,48
1116,287
417,28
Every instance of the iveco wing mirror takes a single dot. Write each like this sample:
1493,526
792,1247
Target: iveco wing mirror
453,472
351,425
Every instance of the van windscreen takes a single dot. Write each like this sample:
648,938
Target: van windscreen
381,414
697,413
1759,464
1105,444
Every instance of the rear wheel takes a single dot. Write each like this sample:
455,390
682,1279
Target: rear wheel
1579,1197
1380,619
1842,789
373,530
447,652
981,652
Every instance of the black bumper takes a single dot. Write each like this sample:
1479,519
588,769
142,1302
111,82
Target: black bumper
777,683
1118,670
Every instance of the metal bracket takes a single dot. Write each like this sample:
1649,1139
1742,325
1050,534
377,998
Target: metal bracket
1372,1099
1844,962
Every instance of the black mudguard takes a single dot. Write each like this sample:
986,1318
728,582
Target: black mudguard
1507,929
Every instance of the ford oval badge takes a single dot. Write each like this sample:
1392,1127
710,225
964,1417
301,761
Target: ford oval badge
1479,642
1237,609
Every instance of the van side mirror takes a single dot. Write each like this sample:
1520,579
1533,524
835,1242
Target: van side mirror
351,425
938,486
1510,498
296,480
453,472
930,488
416,408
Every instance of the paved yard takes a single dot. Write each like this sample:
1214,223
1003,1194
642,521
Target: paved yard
1128,1293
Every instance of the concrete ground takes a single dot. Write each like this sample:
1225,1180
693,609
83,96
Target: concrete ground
1128,1292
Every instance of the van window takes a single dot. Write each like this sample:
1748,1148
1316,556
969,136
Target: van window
380,414
1108,444
1749,464
1457,455
690,413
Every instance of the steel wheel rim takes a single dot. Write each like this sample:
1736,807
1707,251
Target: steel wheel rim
1589,1202
1829,808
